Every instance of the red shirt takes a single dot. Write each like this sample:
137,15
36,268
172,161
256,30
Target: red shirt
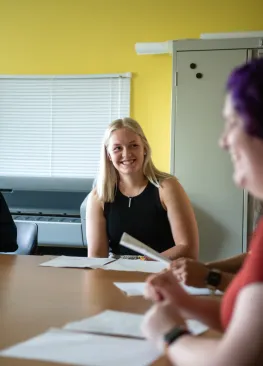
251,272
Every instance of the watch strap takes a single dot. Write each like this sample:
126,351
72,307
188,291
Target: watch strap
174,334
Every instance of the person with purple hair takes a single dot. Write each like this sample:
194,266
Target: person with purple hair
239,315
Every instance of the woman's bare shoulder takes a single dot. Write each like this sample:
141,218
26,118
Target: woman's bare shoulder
93,199
170,184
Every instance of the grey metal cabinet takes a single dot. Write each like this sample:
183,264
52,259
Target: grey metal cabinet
200,70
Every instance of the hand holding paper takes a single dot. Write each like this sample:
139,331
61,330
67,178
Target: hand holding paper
134,244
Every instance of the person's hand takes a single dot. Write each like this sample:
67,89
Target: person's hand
165,286
190,272
145,258
159,320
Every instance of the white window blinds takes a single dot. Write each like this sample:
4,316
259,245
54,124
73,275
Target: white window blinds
53,126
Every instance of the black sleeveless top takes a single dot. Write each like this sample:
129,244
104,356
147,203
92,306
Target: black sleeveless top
145,220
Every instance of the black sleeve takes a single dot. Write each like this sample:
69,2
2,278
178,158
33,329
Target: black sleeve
8,233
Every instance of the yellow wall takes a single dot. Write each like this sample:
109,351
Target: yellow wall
98,36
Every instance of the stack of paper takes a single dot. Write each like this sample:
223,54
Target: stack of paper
106,263
118,265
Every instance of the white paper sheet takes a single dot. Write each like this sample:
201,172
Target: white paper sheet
76,262
110,322
196,327
199,291
136,265
84,349
131,288
129,242
120,323
138,289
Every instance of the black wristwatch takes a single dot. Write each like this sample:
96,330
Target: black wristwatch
213,279
174,334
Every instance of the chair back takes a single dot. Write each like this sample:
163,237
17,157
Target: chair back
26,237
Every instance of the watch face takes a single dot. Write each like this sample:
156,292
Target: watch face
214,278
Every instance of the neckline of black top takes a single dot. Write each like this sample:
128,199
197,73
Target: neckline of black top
138,195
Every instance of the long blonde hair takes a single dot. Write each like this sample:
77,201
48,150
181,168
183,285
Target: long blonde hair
107,179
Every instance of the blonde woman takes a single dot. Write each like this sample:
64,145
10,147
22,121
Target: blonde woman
131,195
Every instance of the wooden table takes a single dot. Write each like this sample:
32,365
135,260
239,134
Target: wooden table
34,298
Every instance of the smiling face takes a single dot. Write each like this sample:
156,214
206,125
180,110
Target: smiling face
126,151
246,151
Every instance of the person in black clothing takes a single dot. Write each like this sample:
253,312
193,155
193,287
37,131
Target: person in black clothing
131,195
8,232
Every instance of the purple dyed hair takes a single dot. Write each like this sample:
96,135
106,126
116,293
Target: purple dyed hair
245,85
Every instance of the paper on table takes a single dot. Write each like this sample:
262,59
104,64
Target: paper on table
196,327
199,291
110,322
120,323
131,288
76,262
138,289
84,349
136,265
129,242
117,265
